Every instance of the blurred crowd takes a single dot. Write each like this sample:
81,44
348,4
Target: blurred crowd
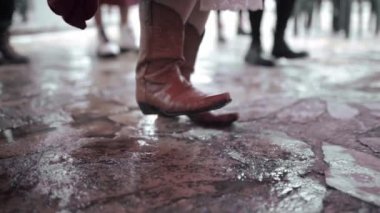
342,13
304,13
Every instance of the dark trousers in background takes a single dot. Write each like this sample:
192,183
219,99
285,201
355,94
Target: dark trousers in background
284,11
7,8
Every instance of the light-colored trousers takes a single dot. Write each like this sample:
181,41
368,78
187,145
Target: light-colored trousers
231,4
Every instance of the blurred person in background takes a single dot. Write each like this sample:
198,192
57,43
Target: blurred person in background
280,49
305,8
8,55
127,40
240,28
22,7
220,26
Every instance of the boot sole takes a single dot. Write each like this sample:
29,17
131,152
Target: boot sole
9,62
129,50
255,63
278,56
148,109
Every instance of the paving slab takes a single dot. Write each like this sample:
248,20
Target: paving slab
353,172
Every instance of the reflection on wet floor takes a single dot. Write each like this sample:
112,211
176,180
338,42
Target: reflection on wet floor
352,172
8,135
73,140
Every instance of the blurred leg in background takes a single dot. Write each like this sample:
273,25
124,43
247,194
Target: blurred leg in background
304,11
240,28
254,55
127,37
280,47
220,27
376,9
342,16
22,6
108,48
8,54
336,19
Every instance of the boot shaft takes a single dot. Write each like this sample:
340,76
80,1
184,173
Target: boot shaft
162,33
192,43
161,45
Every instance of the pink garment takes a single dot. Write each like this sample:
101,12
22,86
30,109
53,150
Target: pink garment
231,4
206,4
119,2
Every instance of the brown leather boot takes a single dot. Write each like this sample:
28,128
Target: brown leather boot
192,42
9,55
160,87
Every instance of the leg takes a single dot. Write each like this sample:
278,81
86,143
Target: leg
219,24
347,17
254,54
280,48
310,13
198,19
6,12
240,19
160,87
100,27
377,7
124,12
255,19
9,55
127,37
284,11
106,48
336,16
24,10
183,8
297,12
194,31
240,30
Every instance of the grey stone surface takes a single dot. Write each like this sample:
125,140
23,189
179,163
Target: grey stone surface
353,172
73,140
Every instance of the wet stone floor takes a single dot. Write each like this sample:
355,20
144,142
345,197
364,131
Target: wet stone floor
308,139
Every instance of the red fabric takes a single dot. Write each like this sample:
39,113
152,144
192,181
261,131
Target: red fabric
75,12
119,2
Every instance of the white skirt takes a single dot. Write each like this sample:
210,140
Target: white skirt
231,4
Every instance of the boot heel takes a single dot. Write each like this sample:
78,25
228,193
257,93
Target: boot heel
148,109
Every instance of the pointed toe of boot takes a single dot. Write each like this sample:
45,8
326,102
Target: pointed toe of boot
187,105
214,102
